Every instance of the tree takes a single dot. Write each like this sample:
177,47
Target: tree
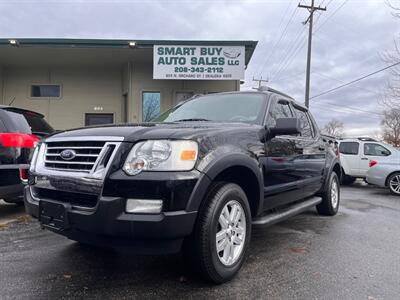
391,98
333,128
391,126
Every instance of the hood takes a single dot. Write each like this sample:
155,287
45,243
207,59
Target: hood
143,131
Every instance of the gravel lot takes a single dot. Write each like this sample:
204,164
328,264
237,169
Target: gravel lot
354,255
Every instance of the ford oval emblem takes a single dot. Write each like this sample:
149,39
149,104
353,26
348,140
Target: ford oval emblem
68,154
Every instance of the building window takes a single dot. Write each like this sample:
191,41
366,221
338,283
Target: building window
45,91
151,105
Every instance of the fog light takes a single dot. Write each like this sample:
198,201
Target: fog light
143,206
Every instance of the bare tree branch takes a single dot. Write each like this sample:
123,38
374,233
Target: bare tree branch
333,128
151,107
391,126
391,97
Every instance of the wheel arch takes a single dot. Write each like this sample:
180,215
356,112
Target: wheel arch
387,177
235,168
336,167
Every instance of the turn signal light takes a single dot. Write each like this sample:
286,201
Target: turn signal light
188,155
18,140
372,163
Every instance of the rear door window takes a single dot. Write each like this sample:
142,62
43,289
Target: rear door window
16,122
349,148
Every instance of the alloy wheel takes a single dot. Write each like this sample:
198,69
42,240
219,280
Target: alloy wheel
334,194
231,233
395,184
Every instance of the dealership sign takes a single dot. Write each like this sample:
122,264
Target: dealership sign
198,62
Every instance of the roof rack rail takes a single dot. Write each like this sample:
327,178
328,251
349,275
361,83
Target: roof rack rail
366,139
269,89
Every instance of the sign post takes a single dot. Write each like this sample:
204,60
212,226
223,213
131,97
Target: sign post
198,62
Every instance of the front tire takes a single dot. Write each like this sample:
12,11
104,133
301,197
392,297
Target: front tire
222,233
331,197
394,184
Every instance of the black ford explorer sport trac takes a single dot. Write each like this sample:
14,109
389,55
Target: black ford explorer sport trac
195,179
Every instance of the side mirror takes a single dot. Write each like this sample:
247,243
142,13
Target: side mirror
285,126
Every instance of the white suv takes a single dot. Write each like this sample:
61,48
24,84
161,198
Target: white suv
355,155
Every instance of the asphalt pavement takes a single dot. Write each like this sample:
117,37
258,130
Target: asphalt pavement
354,255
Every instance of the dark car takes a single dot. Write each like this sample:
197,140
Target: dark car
20,130
196,179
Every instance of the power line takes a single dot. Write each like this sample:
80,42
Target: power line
351,108
279,27
290,76
330,16
295,51
288,53
280,38
356,80
341,81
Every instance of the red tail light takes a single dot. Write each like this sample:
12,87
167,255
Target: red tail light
24,174
18,140
372,163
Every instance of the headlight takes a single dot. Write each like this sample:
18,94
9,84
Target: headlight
161,155
34,158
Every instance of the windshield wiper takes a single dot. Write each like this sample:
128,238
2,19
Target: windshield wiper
192,119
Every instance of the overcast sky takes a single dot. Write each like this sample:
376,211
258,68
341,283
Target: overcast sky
349,39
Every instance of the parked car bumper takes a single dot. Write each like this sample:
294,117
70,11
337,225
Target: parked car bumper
376,176
11,185
12,191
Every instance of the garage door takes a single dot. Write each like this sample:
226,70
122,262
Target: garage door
98,119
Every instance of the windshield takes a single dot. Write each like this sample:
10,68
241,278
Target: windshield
241,107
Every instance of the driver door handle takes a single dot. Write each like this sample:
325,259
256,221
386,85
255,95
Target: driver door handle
364,158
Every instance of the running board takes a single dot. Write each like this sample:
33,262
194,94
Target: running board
275,217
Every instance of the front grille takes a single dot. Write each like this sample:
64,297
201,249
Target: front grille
86,155
78,199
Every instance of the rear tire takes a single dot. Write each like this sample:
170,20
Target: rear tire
348,180
218,245
331,197
394,184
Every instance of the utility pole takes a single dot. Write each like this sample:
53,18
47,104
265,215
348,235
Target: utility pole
310,18
259,82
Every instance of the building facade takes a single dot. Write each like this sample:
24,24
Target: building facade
85,82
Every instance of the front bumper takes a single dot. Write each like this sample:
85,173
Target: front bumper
109,225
